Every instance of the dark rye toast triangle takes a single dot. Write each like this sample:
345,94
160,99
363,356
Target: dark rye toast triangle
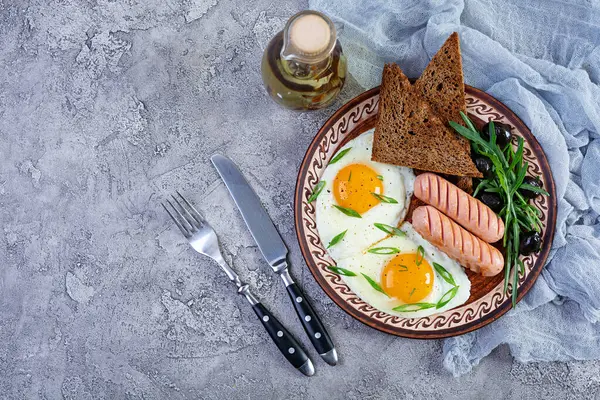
410,134
442,83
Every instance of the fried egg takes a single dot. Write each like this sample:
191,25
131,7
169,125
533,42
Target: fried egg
406,276
357,194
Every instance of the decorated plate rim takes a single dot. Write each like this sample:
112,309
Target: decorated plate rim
457,321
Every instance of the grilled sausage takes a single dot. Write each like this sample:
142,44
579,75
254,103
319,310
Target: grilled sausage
469,212
457,242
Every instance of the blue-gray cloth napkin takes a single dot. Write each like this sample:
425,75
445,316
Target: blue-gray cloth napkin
542,59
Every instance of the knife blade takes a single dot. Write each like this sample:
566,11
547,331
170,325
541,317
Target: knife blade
274,251
258,221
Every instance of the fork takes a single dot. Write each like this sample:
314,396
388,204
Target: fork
203,239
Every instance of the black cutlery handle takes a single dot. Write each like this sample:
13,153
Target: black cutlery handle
312,325
284,340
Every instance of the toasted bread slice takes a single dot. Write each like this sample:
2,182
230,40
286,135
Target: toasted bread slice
410,134
442,85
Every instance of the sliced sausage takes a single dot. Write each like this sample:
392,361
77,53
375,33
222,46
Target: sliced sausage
457,242
463,208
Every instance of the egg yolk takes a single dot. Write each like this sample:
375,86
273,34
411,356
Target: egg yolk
404,280
354,185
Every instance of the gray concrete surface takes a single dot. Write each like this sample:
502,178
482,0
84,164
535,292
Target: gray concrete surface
105,108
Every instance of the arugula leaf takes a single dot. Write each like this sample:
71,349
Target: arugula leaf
534,189
510,170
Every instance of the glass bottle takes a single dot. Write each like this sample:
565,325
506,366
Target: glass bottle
303,67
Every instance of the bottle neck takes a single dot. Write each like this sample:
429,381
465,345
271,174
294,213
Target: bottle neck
304,70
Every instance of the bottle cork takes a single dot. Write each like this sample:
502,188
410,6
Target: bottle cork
310,34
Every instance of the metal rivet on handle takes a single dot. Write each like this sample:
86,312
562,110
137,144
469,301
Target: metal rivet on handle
266,318
307,318
279,333
291,350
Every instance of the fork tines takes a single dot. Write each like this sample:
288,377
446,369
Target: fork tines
184,214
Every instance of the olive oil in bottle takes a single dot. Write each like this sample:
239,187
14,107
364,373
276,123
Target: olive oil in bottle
303,67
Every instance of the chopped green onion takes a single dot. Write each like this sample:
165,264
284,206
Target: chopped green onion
350,176
402,268
337,238
316,191
384,199
420,255
412,292
348,211
447,276
339,155
340,271
390,230
384,250
445,299
380,177
413,307
374,284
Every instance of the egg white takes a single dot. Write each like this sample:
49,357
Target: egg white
372,265
398,183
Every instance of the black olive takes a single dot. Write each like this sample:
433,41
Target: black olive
503,134
531,242
492,200
533,181
484,165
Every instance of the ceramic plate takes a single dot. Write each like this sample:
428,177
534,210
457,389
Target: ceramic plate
488,301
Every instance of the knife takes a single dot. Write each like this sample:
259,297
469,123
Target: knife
274,251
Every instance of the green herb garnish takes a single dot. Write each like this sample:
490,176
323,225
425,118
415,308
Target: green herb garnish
390,230
534,189
316,191
445,299
447,276
374,284
509,172
349,176
337,238
348,211
340,271
339,155
384,250
403,268
420,255
384,199
380,177
412,292
413,307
